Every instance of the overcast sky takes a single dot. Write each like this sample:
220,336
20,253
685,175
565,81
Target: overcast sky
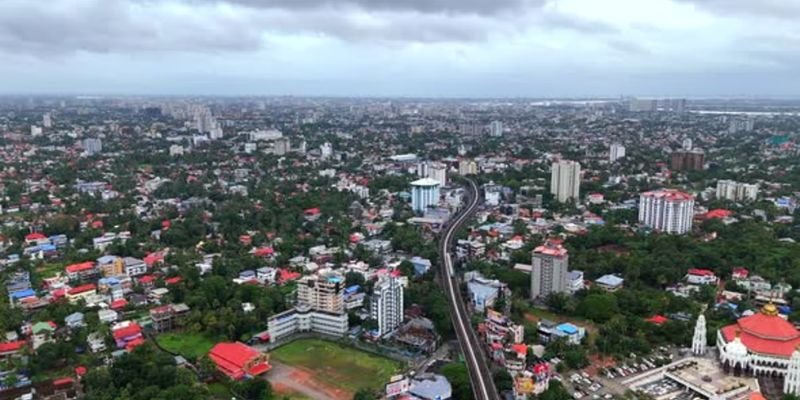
438,48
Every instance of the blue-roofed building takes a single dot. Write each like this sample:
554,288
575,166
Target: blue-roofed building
17,296
431,387
421,265
74,320
483,293
106,260
352,289
571,333
575,281
59,240
610,283
353,297
247,275
18,281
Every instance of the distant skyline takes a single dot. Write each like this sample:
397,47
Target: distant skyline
408,48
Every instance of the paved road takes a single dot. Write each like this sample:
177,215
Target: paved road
480,376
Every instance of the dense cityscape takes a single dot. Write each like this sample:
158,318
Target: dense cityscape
366,248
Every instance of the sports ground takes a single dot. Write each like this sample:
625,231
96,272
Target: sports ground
330,368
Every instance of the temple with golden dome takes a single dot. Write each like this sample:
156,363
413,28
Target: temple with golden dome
759,344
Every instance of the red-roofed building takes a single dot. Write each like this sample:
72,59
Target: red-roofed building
11,348
81,292
173,281
718,213
521,349
81,271
118,304
36,238
146,280
245,240
237,360
698,276
125,333
264,252
134,343
740,273
761,343
154,258
285,275
657,320
65,381
667,210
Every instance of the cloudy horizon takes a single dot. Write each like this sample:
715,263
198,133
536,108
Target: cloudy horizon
412,48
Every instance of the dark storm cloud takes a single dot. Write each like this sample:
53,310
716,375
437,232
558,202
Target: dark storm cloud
102,26
59,27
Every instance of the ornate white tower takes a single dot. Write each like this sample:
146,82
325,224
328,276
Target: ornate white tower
699,340
791,381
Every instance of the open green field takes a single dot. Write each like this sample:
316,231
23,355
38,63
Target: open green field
338,365
188,344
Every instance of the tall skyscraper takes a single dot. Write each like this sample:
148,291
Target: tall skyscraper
687,144
496,129
470,129
565,180
424,194
92,146
550,270
467,167
282,146
687,160
615,152
434,170
741,124
47,120
736,191
326,150
667,210
386,305
322,292
438,172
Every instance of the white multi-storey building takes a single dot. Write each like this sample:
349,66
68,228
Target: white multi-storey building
550,270
386,305
323,291
92,146
424,194
326,150
496,129
667,210
304,319
438,172
320,308
176,150
736,191
467,167
565,180
615,152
